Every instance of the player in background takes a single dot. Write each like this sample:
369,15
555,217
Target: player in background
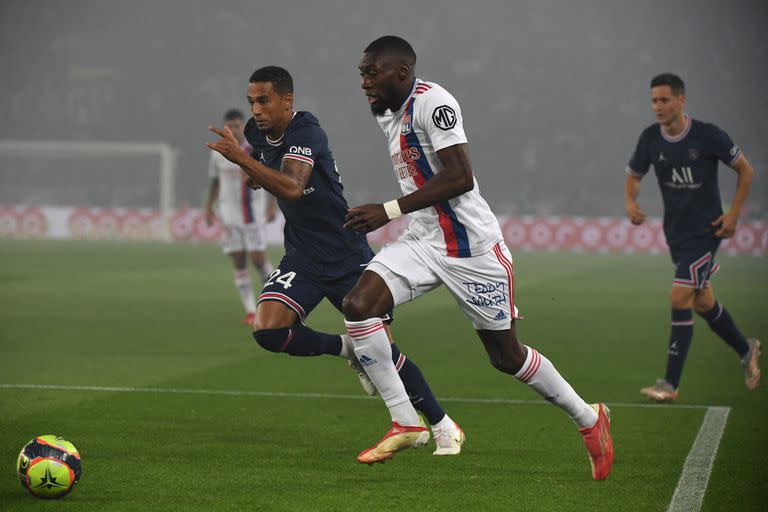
685,154
291,159
453,239
242,211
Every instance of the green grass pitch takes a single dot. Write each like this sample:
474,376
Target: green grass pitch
167,317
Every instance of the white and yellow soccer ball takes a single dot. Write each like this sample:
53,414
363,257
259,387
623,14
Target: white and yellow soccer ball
49,466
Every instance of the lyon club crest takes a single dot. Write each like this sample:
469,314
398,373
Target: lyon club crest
406,128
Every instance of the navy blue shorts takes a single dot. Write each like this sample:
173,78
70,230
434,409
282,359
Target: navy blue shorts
301,288
694,262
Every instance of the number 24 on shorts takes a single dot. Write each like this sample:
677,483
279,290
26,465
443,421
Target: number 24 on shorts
284,279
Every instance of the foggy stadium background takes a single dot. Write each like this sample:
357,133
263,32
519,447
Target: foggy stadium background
554,94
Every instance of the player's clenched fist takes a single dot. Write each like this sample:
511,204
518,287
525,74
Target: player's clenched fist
366,218
635,214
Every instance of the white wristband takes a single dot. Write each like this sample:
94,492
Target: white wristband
393,209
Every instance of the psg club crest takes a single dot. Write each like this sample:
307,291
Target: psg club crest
693,154
406,128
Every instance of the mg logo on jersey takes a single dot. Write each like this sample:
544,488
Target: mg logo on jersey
444,117
298,150
683,175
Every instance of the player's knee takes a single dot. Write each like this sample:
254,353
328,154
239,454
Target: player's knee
273,340
355,307
703,305
681,298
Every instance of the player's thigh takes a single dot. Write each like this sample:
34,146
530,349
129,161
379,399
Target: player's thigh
272,314
406,269
337,288
291,285
232,239
254,237
483,287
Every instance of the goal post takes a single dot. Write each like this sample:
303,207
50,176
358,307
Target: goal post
56,160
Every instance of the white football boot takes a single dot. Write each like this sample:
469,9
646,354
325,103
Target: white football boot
448,440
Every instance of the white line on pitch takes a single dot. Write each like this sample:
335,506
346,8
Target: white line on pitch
280,394
689,493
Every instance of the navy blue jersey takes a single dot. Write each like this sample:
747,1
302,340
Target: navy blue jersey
686,169
313,224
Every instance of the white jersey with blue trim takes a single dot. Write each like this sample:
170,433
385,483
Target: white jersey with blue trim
238,203
428,121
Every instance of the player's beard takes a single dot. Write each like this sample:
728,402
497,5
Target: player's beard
378,108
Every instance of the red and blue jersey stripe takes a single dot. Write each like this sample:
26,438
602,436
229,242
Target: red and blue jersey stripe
454,232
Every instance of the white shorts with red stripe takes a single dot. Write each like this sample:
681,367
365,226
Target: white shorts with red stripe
248,237
483,286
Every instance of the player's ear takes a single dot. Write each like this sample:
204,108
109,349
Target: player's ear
288,101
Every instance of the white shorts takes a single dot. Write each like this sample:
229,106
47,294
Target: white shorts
483,286
249,237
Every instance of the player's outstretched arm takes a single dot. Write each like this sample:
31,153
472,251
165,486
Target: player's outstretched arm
454,179
727,222
635,214
288,183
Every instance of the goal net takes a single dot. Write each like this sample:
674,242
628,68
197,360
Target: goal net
94,176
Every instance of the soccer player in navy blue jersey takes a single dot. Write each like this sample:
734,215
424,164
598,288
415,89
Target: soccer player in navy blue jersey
685,153
292,160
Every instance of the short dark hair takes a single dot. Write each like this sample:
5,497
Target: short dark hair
392,45
233,113
280,78
673,81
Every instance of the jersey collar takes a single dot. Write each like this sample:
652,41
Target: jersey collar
416,82
680,136
279,140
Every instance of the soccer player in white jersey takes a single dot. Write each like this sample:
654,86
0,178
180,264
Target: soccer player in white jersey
242,212
453,239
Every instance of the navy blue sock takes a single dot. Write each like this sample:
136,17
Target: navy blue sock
416,385
721,322
298,340
679,343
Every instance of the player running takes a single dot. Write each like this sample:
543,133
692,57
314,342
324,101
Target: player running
453,239
685,154
291,159
243,212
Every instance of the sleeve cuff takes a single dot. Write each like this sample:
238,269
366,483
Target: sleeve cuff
300,158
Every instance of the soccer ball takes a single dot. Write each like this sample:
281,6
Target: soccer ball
49,466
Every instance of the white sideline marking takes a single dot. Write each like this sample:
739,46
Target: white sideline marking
689,493
280,394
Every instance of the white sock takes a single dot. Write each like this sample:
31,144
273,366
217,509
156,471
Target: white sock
539,373
245,289
264,270
444,423
371,346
